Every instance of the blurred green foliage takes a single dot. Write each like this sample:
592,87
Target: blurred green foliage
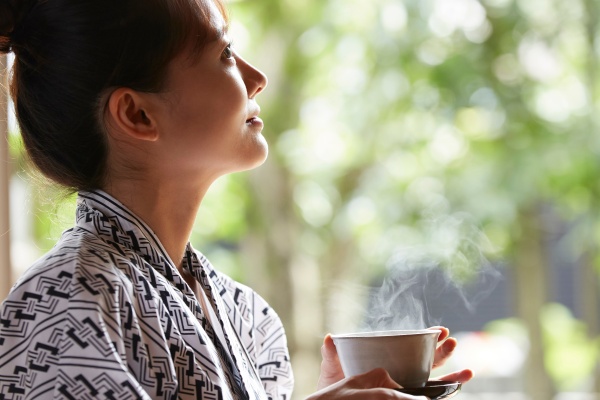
571,354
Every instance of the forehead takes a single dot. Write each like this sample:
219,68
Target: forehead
205,24
216,18
206,27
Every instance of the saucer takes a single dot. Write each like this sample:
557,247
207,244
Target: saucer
435,390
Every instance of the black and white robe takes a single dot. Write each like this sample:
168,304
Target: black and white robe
106,315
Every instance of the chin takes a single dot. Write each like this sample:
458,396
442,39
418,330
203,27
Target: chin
262,157
257,156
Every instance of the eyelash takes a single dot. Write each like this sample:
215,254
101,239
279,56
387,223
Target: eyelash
228,52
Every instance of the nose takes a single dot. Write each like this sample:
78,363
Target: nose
256,81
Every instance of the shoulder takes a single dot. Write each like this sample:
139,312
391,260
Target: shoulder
66,315
79,265
80,273
81,276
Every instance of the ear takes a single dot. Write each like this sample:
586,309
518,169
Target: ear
131,113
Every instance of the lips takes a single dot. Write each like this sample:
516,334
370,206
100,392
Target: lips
254,121
253,116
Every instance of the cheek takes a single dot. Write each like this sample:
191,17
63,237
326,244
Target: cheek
222,109
209,109
230,95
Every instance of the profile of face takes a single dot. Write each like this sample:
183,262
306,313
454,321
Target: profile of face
209,119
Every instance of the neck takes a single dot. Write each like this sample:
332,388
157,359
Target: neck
169,209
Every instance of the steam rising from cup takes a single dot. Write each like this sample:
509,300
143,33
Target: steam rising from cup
416,278
450,270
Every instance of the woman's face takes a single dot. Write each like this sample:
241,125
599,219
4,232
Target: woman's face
209,120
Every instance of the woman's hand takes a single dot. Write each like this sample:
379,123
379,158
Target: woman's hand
373,385
331,369
446,346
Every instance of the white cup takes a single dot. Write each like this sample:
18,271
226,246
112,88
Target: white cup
407,355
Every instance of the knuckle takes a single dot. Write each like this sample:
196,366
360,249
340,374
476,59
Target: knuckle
385,394
324,352
354,381
379,372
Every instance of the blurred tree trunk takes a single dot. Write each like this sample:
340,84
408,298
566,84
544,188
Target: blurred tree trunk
288,279
589,299
531,283
590,278
274,226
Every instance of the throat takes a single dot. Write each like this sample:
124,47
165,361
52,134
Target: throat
190,280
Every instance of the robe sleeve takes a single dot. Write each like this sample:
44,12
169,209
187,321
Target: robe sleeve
63,335
101,337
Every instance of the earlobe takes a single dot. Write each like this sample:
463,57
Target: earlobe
129,112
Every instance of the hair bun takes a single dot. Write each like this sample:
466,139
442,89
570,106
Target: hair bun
11,15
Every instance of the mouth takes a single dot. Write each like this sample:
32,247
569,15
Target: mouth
254,121
253,112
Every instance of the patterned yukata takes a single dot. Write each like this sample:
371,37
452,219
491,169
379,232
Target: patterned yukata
106,315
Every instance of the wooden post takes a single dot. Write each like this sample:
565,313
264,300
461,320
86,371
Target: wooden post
531,284
5,264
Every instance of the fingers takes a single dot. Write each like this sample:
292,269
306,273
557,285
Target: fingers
376,385
459,376
445,332
373,385
446,346
377,378
444,351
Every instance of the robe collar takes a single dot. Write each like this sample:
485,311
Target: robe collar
122,229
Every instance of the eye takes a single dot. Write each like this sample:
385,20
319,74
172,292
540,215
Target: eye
228,52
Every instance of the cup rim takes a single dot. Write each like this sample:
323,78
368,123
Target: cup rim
386,333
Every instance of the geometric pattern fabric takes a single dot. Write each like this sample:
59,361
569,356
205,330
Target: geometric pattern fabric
106,315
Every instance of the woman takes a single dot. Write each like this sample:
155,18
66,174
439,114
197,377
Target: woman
140,105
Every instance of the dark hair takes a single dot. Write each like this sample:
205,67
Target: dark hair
70,53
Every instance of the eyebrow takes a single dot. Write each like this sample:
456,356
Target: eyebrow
220,33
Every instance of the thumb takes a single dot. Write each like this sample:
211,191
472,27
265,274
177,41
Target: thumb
331,369
328,350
